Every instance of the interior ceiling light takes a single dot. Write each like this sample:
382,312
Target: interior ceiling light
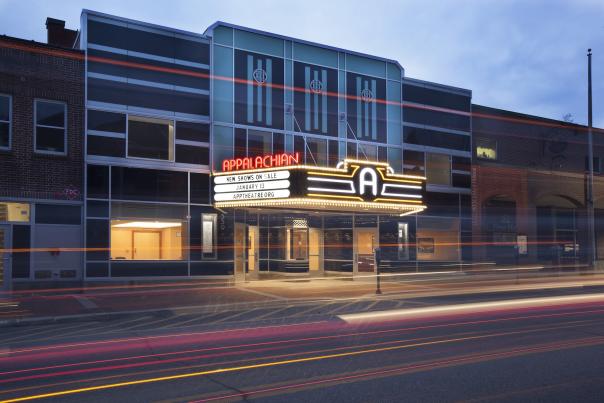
148,224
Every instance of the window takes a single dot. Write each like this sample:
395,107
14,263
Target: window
413,162
51,121
438,169
5,121
316,152
259,143
147,240
14,212
486,149
367,152
597,165
150,138
208,235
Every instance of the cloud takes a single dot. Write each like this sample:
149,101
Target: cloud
516,55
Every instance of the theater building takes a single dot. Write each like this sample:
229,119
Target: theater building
241,154
170,112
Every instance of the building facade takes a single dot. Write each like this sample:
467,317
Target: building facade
530,181
41,159
187,140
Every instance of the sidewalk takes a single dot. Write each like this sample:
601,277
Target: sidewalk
118,301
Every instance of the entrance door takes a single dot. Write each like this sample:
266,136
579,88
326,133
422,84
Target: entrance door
252,250
315,249
5,258
239,251
146,245
366,240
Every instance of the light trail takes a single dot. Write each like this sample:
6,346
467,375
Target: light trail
273,364
416,367
475,307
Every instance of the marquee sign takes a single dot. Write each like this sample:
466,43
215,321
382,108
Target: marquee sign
353,186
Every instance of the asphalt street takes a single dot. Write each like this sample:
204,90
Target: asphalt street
530,347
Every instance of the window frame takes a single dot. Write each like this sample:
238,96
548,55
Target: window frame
64,152
10,122
427,169
171,141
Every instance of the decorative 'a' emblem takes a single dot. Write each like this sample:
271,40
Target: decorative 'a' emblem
259,76
316,86
366,95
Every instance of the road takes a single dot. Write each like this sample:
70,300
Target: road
545,347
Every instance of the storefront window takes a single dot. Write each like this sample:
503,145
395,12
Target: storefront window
16,212
438,239
147,240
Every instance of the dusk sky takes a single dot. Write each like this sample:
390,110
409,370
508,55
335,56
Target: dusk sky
527,56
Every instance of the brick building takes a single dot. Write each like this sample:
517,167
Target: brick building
529,178
41,155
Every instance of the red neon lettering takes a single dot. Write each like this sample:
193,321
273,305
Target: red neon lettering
266,161
294,159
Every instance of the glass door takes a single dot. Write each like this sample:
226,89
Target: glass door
5,258
315,249
252,250
366,240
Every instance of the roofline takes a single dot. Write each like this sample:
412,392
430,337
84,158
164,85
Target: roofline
289,38
526,115
450,88
138,22
39,44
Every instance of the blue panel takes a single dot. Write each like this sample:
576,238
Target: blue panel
258,43
394,72
365,65
222,145
223,84
315,55
394,112
223,35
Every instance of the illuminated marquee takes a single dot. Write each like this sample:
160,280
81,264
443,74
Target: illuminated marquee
259,162
353,186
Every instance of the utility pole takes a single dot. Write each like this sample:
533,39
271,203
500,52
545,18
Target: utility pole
590,179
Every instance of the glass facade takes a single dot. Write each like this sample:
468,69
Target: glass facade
152,143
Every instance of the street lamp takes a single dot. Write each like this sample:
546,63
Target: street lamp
590,179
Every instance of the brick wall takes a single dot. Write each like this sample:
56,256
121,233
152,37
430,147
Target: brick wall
30,70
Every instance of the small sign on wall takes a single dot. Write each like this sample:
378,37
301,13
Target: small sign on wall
522,244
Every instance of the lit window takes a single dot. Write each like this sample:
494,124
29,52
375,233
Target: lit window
208,235
147,240
5,121
438,169
486,149
51,121
16,212
150,138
